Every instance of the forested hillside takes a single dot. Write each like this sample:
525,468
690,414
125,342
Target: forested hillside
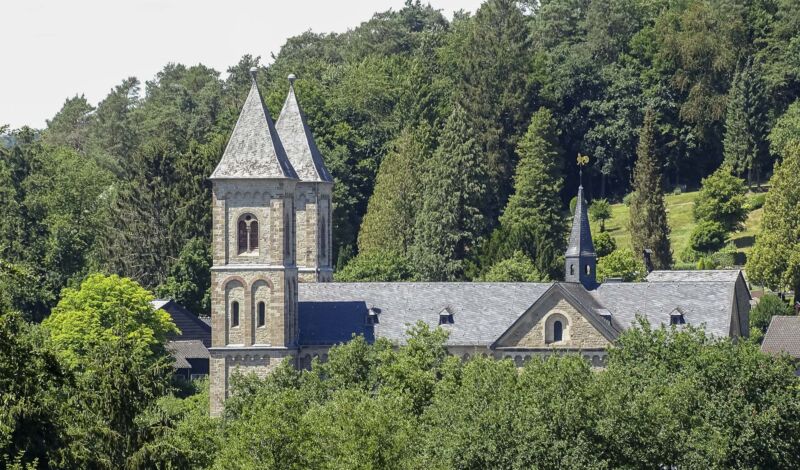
452,142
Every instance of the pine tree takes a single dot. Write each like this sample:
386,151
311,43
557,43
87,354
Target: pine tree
775,260
388,225
450,222
746,125
532,221
648,220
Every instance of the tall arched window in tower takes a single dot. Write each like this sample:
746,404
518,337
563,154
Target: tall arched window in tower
247,234
234,314
262,314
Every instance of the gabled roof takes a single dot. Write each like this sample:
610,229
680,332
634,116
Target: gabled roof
190,325
583,301
783,336
182,351
580,238
254,149
298,141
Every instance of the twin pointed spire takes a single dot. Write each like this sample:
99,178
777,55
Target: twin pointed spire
299,142
254,150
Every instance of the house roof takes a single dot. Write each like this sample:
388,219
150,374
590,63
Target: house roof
716,275
254,149
331,313
182,351
298,141
190,325
580,238
783,336
707,303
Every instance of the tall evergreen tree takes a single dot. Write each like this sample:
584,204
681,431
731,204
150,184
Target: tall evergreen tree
746,125
648,221
389,223
492,62
532,222
451,222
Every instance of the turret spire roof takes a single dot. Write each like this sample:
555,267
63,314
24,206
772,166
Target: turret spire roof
254,149
580,239
298,140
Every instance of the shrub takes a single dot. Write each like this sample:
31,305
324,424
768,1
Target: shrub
604,244
376,267
756,201
726,257
517,268
621,264
628,198
690,255
706,262
708,236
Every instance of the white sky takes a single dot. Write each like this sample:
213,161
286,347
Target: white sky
54,49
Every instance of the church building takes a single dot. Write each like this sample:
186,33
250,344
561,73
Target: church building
273,298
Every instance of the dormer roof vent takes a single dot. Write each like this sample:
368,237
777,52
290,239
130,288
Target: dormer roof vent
446,316
372,316
676,317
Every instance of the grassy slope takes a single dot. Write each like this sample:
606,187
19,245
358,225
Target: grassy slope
679,215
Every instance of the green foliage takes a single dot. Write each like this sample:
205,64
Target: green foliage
104,312
603,243
451,221
708,236
747,124
775,259
756,201
622,264
378,266
518,268
600,210
189,279
532,221
767,307
785,131
722,199
648,221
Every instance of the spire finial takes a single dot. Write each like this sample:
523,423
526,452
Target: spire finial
253,72
582,161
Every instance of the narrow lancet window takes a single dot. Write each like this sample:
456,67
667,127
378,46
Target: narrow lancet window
558,331
235,314
262,314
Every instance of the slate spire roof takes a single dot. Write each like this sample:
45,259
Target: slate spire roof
254,149
298,140
580,239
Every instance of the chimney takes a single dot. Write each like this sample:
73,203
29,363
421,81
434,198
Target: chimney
647,253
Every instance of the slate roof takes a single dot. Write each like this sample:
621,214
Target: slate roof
708,303
254,149
580,238
716,275
182,351
331,312
190,325
298,141
783,336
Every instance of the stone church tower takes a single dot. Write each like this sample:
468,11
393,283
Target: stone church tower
312,195
254,275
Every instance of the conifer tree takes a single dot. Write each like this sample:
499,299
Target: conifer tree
532,221
388,225
648,220
450,222
746,125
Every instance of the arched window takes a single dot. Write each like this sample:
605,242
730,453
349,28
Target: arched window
558,331
262,314
235,314
556,328
571,269
247,235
